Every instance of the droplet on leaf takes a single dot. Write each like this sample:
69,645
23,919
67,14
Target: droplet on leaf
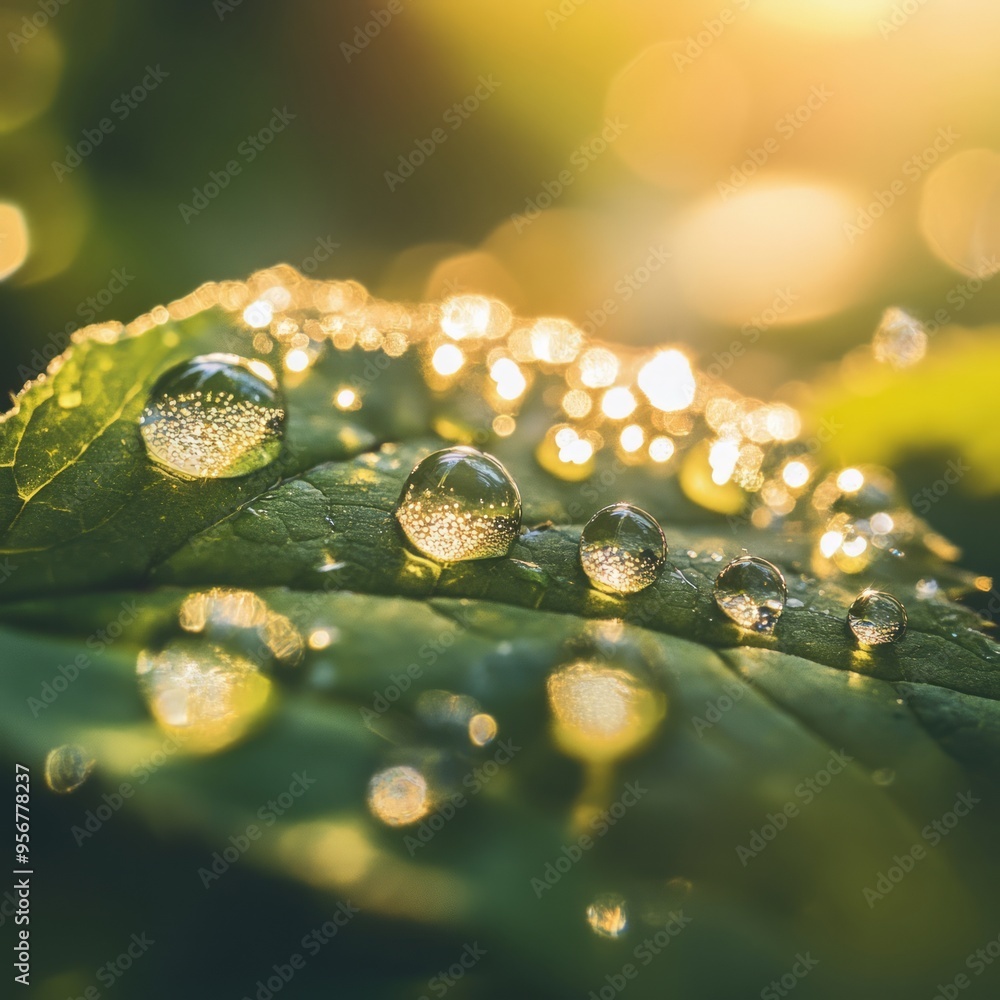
608,915
398,795
752,592
876,618
460,504
67,768
622,549
214,417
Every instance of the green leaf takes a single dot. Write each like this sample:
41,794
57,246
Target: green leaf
854,755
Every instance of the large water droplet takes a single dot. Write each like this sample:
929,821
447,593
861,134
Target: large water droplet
876,618
398,795
608,915
67,768
203,695
460,504
622,549
214,417
752,592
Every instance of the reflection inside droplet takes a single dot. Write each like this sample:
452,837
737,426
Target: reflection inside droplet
876,618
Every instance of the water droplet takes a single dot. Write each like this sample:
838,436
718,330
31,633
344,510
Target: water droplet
482,729
70,400
398,795
900,340
876,618
201,694
602,712
214,417
622,549
752,592
460,504
67,768
608,915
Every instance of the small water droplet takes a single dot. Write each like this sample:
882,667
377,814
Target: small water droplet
70,400
460,504
398,795
202,694
482,729
884,776
876,618
622,549
926,589
602,712
608,915
67,768
752,592
214,417
794,602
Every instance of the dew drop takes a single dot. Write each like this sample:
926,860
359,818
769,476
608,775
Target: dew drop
67,768
752,592
398,795
460,504
608,915
602,712
214,417
876,618
622,549
482,729
203,695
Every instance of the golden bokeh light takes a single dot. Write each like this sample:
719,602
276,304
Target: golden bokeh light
14,241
